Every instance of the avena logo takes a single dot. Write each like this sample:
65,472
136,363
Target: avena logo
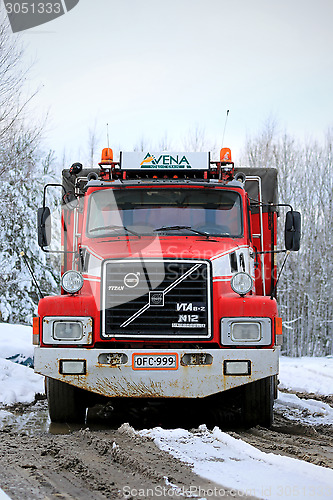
165,161
24,14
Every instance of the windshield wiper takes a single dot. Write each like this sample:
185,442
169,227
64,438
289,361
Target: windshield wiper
178,228
113,226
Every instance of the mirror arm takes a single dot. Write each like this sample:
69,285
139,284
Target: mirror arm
273,251
26,261
277,280
45,189
263,204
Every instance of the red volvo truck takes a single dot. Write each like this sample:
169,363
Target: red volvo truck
168,284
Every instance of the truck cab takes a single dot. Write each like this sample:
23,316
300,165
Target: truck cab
168,284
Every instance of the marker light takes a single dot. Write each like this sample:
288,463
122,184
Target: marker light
235,367
72,367
72,281
241,283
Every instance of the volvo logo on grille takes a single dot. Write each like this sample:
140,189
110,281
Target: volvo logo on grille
132,280
156,298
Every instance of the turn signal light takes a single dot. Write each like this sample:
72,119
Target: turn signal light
35,331
278,331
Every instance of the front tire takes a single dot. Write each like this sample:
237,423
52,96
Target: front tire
66,402
257,403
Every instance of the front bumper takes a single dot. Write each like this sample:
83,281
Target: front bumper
191,381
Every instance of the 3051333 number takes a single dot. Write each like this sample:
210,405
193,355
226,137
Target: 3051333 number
33,8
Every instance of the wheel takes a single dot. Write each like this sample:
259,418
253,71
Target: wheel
66,402
257,403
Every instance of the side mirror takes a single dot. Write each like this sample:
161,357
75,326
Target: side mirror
292,232
44,226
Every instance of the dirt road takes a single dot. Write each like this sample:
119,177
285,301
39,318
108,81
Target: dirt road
104,461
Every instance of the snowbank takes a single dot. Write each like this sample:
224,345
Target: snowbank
16,342
307,375
246,470
18,383
307,411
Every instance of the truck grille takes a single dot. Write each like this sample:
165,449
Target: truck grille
156,299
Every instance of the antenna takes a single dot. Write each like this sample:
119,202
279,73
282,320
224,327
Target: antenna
107,134
225,124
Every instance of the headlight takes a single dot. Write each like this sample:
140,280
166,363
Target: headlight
59,330
241,283
72,281
245,331
67,330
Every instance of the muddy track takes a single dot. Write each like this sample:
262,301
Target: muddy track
89,464
294,439
108,460
314,445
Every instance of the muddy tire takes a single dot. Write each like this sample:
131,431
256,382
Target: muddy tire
66,402
257,404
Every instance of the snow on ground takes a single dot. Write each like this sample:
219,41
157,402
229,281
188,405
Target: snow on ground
18,383
15,340
309,411
246,470
307,374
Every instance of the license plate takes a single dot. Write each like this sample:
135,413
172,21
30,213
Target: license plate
155,361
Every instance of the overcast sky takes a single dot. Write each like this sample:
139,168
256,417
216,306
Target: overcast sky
152,68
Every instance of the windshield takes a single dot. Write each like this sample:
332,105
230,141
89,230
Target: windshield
132,211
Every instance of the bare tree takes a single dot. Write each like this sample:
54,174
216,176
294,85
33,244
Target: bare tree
196,140
305,294
142,145
13,74
93,139
164,143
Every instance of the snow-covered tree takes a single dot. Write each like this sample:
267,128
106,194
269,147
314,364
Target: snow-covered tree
21,192
23,171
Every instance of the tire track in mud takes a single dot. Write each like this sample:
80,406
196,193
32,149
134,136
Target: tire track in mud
295,439
110,463
92,464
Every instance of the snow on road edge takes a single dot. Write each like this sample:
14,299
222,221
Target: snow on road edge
18,384
314,375
235,464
